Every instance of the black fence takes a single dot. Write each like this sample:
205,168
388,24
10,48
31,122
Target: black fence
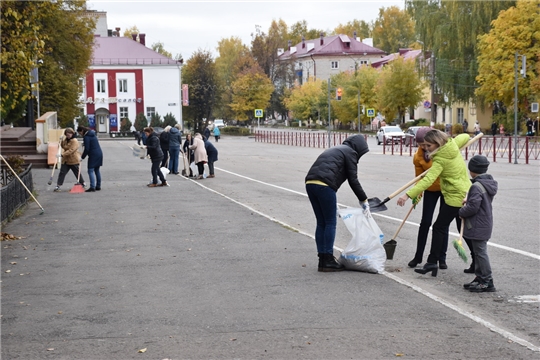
14,195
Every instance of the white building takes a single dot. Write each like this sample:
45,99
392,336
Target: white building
126,78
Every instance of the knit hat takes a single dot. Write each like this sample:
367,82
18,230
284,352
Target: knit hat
478,164
420,133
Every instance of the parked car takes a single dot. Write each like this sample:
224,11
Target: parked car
389,134
411,135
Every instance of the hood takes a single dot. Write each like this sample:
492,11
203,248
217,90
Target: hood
174,130
90,133
488,182
449,150
358,144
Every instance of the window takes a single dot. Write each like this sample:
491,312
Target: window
460,115
100,86
124,113
122,86
363,62
150,111
335,64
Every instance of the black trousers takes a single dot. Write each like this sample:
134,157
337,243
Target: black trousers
447,214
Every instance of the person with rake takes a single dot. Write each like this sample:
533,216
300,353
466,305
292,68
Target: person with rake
449,166
477,213
71,159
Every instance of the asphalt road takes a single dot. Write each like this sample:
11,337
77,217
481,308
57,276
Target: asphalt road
227,268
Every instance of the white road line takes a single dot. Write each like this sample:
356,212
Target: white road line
441,301
507,248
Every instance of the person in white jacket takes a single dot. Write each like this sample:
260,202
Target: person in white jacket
200,155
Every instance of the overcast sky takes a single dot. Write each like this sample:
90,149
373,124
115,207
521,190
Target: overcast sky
185,26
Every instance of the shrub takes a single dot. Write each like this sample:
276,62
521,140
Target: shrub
156,121
125,125
16,162
457,129
235,130
140,122
169,120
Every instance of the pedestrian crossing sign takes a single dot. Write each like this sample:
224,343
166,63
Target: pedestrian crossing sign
371,112
258,113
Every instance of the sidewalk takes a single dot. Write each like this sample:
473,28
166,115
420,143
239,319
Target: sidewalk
184,273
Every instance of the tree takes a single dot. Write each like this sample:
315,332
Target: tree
451,29
399,88
155,120
158,47
140,122
200,75
393,29
252,90
132,30
169,120
515,30
300,30
306,101
125,125
362,28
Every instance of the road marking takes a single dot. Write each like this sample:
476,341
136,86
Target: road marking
479,320
507,248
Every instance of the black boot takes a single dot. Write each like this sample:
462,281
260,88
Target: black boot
470,270
320,255
329,264
427,268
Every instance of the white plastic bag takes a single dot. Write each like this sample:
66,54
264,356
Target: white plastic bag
139,151
365,251
164,171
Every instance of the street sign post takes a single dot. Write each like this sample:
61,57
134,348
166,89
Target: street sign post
371,113
258,115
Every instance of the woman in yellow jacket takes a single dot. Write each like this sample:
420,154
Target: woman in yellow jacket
71,158
449,166
431,196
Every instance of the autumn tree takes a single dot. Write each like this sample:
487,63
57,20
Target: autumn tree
515,30
300,30
21,47
69,43
159,48
200,75
393,29
399,88
132,30
251,90
125,125
362,28
308,100
451,29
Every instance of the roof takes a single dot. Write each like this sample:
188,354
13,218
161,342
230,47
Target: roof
332,45
404,53
125,51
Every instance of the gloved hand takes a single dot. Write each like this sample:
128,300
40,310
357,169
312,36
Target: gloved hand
365,207
58,156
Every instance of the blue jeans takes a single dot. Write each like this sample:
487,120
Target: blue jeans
173,161
94,175
429,201
324,202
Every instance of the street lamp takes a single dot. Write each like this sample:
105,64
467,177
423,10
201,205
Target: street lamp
523,69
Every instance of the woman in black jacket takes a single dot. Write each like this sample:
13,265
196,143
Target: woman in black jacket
188,152
156,155
323,180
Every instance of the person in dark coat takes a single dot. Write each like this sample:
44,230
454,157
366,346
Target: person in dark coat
189,153
494,128
156,155
92,149
175,140
164,143
477,213
212,153
323,180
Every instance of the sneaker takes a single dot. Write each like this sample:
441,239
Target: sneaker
57,189
483,287
472,283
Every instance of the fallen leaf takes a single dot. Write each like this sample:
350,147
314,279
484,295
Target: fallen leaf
13,263
399,354
233,339
50,349
8,271
60,312
142,350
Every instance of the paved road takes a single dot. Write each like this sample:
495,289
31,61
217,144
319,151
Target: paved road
226,268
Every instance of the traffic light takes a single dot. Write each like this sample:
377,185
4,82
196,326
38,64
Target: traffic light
339,92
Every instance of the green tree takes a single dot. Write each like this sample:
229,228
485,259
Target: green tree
125,125
515,30
251,90
21,45
300,29
399,88
451,29
169,120
362,28
200,74
393,29
140,122
306,101
159,48
155,120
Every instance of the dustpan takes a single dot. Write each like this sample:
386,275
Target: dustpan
78,187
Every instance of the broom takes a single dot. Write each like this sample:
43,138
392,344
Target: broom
78,187
458,244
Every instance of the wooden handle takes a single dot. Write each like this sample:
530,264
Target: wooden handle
403,222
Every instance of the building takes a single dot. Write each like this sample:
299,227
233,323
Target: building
126,78
327,56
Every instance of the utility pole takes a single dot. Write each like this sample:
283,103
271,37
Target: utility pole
329,131
523,69
433,111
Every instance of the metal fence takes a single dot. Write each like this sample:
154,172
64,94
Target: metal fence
496,148
14,195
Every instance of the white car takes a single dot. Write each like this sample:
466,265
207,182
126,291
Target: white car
389,134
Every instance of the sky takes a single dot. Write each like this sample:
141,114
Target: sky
187,26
